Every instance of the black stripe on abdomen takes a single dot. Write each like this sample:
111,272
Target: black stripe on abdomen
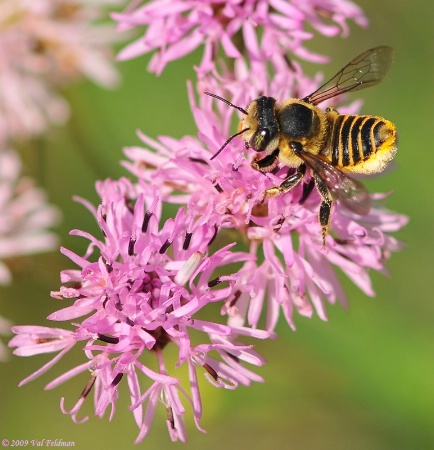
346,147
345,143
355,141
365,133
336,141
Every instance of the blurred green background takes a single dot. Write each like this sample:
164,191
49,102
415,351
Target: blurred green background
364,379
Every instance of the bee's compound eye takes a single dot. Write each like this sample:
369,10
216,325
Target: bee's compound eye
260,139
263,136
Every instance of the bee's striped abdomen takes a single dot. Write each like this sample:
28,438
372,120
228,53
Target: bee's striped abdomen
356,138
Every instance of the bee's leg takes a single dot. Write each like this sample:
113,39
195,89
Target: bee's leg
266,164
288,183
291,180
325,209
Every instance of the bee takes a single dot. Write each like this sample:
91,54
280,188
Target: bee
298,134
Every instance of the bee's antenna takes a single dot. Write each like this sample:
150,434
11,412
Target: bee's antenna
227,142
227,102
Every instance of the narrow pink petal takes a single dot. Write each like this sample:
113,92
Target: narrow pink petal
45,367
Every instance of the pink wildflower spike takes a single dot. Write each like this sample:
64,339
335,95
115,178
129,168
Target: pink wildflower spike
144,283
138,289
174,28
296,275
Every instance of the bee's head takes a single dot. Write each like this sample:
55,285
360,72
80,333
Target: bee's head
259,127
262,126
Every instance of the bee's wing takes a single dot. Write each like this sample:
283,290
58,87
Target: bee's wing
351,193
363,71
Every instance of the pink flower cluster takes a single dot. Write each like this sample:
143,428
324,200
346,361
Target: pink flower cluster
142,292
175,28
296,274
146,284
45,44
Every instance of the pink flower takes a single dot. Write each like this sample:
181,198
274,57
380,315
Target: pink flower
43,45
35,340
25,216
140,294
295,273
269,29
